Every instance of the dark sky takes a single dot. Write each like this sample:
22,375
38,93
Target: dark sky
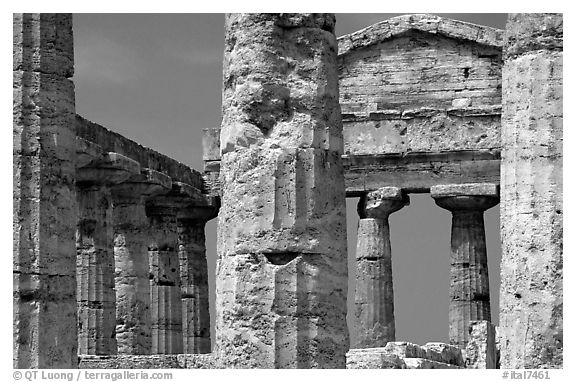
156,79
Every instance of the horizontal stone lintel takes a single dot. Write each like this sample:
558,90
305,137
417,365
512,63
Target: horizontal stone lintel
417,172
413,172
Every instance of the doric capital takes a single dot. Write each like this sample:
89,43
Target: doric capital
185,201
382,202
147,184
111,168
466,197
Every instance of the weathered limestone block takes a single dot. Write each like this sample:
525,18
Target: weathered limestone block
281,274
197,361
469,283
481,348
194,277
374,295
44,200
445,353
133,320
423,363
373,358
531,212
163,361
95,252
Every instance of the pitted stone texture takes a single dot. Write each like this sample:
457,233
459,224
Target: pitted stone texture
131,239
444,353
44,200
165,284
531,213
197,361
481,350
291,82
280,311
373,358
422,363
162,361
469,282
529,32
194,280
382,202
95,272
418,83
374,294
281,274
406,355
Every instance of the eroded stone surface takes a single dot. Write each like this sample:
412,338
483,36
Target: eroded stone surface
194,278
469,281
481,352
374,294
281,273
406,355
44,200
373,358
131,239
531,212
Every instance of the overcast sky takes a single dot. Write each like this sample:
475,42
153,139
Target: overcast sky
156,79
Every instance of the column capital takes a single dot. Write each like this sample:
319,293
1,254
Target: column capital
186,201
148,183
382,202
466,196
111,168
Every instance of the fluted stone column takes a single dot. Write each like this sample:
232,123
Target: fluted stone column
469,286
165,283
194,276
374,296
282,272
95,252
44,200
531,212
133,319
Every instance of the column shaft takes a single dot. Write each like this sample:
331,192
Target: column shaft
133,319
95,272
282,271
165,284
194,289
469,286
374,297
531,214
44,200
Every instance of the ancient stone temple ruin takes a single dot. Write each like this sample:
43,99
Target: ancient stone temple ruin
110,263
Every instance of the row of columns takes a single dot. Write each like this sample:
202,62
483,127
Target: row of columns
469,287
141,266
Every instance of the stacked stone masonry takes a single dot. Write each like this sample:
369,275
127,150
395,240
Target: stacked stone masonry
110,265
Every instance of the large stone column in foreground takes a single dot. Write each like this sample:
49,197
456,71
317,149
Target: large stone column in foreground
469,283
282,274
95,252
44,197
374,295
131,239
531,210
